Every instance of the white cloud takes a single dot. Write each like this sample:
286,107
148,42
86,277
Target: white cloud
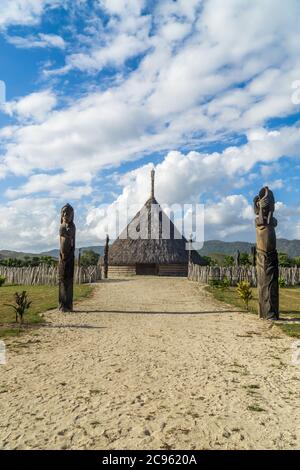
123,7
34,107
125,36
100,131
179,9
184,179
55,185
180,179
175,31
288,221
116,53
211,71
23,12
276,184
28,224
198,74
39,41
268,170
96,131
230,218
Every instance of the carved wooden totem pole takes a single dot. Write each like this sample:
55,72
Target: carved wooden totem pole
266,255
190,247
253,256
237,258
105,258
79,257
66,258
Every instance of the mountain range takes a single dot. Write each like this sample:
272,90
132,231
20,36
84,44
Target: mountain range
53,253
291,247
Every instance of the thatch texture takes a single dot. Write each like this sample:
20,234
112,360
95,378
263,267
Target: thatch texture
162,250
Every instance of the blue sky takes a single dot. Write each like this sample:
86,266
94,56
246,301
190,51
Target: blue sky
100,91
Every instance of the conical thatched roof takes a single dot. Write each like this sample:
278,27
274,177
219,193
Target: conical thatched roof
162,249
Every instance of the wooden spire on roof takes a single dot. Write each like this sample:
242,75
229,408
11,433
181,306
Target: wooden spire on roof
152,183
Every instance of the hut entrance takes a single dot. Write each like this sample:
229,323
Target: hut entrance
147,269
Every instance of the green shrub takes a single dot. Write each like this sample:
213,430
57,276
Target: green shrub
223,283
2,280
89,258
284,260
297,261
214,283
209,261
228,261
245,292
245,259
282,282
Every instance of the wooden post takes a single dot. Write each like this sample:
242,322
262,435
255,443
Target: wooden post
152,183
253,255
106,250
190,249
266,255
66,258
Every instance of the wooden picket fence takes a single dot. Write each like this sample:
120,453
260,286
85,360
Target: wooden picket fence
204,274
47,275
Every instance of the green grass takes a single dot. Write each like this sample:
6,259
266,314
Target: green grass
43,298
291,329
289,305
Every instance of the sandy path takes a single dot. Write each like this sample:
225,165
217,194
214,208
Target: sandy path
101,378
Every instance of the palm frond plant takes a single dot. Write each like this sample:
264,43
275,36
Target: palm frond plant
21,305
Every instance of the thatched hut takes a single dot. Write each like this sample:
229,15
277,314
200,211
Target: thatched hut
154,251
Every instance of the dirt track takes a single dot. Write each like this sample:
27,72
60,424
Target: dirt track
150,363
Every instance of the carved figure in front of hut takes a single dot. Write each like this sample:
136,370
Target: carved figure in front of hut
67,232
238,258
79,257
253,255
266,255
190,247
105,258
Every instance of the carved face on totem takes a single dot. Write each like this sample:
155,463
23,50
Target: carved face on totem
67,214
264,206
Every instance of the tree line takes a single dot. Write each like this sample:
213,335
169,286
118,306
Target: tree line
91,258
28,261
87,258
285,261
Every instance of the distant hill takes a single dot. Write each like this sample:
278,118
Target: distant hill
15,254
225,248
54,253
291,247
